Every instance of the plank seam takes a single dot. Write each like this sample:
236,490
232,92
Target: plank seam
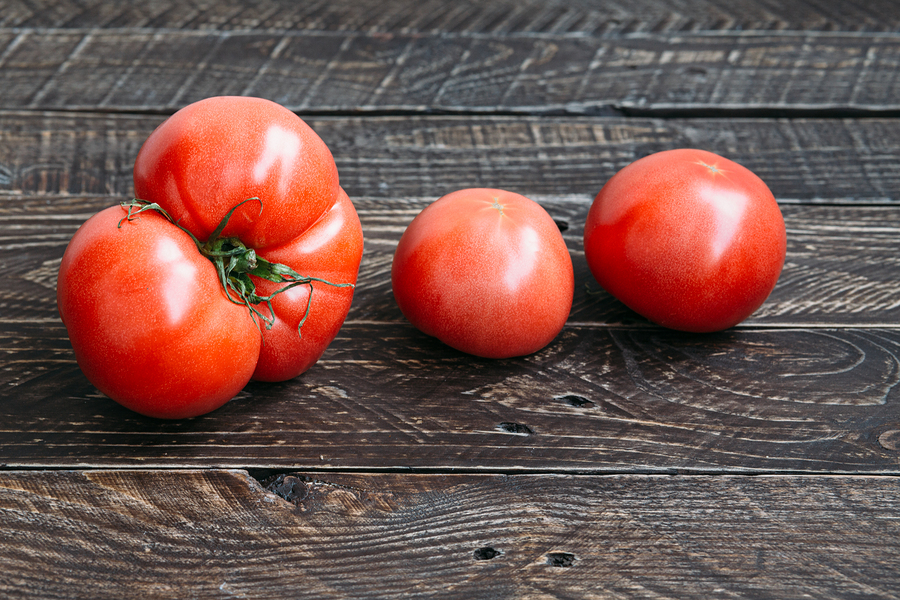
260,472
558,35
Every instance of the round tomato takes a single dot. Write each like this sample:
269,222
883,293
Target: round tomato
485,271
148,320
243,268
686,238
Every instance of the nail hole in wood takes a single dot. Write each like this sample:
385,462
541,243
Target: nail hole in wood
575,400
561,559
486,553
563,225
516,428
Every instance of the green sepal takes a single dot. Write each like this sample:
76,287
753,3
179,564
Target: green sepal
235,263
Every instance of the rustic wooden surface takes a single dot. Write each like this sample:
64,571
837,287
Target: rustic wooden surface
623,460
223,534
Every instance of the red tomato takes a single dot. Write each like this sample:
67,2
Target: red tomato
485,271
686,238
150,322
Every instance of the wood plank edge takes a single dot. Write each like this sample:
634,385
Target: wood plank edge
663,111
262,471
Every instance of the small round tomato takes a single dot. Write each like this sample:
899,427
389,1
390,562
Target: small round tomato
238,261
688,239
485,271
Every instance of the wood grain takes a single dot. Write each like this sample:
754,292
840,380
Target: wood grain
596,400
623,460
217,534
351,72
818,160
809,384
842,267
468,16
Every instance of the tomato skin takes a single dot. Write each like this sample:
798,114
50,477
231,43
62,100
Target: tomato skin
330,249
688,239
148,319
485,271
213,154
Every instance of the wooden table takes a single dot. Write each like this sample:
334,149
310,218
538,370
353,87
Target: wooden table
624,460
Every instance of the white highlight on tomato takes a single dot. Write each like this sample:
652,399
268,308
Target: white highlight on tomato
281,149
181,275
525,261
728,209
323,232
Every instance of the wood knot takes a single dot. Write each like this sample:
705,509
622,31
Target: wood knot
516,428
890,440
561,559
575,400
486,553
290,487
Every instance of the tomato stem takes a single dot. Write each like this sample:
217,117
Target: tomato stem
235,264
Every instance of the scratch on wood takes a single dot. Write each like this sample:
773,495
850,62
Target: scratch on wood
12,46
326,72
198,68
63,66
267,64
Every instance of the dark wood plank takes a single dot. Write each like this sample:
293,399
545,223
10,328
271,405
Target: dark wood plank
842,266
214,534
840,383
613,463
597,400
818,160
664,73
469,16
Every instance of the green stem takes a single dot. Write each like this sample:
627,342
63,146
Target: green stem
235,263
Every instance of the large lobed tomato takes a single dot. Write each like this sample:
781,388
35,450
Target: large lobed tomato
686,238
160,328
485,271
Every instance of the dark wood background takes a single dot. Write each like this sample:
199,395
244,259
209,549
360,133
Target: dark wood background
623,460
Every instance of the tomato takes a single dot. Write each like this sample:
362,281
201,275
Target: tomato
148,320
688,239
148,316
485,271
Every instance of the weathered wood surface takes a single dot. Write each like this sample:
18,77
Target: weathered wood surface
219,534
808,384
465,16
614,463
753,72
842,266
612,394
808,160
596,400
